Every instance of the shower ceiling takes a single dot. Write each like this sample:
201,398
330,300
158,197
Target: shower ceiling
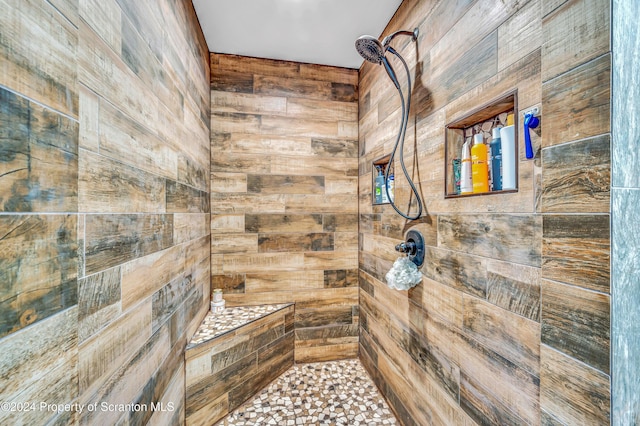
313,31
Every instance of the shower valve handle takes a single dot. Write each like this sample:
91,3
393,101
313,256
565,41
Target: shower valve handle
407,247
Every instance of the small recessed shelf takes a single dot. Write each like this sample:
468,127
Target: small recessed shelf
482,120
380,164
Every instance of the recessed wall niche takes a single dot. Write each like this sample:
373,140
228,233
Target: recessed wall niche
480,121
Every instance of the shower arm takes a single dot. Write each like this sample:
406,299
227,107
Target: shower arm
387,39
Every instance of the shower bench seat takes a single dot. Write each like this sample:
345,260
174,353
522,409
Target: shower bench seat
233,355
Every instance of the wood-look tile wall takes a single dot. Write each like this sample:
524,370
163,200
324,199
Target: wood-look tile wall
284,188
224,372
511,322
104,200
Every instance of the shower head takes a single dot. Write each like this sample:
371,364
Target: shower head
370,49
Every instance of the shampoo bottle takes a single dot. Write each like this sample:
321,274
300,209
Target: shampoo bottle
496,160
479,169
508,144
391,186
466,184
379,187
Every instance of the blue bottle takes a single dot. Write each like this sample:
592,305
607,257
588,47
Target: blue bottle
496,160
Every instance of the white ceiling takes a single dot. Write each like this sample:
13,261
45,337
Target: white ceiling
312,31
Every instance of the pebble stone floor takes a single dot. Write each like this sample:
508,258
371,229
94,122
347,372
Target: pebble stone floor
218,323
325,393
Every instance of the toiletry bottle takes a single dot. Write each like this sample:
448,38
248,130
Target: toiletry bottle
466,184
391,185
496,160
379,186
508,145
479,169
383,185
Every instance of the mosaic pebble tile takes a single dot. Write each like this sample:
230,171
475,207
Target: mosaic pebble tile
218,323
325,393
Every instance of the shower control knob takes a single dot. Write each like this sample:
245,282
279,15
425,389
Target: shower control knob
406,247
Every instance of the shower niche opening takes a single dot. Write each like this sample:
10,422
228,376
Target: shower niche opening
482,120
378,194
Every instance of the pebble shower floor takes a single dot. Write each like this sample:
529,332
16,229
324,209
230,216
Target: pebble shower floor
325,393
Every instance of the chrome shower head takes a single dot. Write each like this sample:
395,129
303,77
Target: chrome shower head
370,49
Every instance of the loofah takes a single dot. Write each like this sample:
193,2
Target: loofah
403,275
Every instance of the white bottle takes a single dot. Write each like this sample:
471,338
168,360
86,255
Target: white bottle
466,183
508,145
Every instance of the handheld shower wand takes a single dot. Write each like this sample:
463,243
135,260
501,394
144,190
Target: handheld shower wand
372,50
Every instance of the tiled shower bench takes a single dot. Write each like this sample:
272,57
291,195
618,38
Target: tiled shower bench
233,355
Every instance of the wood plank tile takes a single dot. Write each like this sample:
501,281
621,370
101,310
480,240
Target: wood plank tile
38,268
126,140
577,176
512,238
108,186
576,322
101,355
285,184
515,388
283,223
268,262
186,199
89,119
225,101
314,166
335,147
520,35
326,73
515,288
460,271
38,157
229,81
115,239
576,250
227,204
45,358
167,299
274,125
190,226
578,103
234,243
321,109
224,224
258,144
317,241
239,163
236,122
143,276
321,317
340,278
292,87
573,34
483,407
515,338
101,69
572,392
314,260
242,64
30,31
130,373
228,182
98,292
284,281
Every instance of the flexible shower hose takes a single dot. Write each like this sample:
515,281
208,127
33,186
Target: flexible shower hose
400,139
